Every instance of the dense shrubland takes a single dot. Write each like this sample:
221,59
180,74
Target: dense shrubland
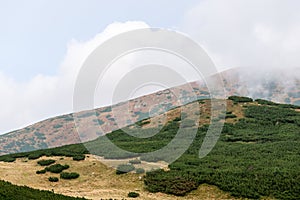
13,192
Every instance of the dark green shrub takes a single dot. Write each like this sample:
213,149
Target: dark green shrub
135,161
133,195
41,171
53,179
123,169
8,159
230,116
57,168
139,171
67,175
46,162
238,99
79,157
34,156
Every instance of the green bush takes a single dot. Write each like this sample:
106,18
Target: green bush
41,171
139,171
34,156
53,179
238,99
79,157
57,168
46,162
135,161
123,169
8,159
133,195
67,175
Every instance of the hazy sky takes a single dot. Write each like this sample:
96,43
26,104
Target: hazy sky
43,42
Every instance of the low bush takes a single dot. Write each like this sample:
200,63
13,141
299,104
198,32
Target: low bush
135,161
78,157
67,175
139,171
41,171
123,169
57,168
46,162
133,195
8,159
238,99
53,179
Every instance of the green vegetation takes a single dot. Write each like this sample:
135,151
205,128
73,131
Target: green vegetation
238,99
67,175
133,195
57,168
13,192
257,156
46,162
266,102
53,179
79,157
135,161
139,171
41,171
124,168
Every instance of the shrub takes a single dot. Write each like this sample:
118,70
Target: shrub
139,171
53,179
46,162
34,156
67,175
79,157
135,161
57,168
230,116
8,159
123,169
41,171
133,195
238,99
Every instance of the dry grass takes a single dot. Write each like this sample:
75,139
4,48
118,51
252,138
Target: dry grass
96,181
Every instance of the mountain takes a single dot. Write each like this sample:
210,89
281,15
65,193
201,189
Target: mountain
62,130
256,156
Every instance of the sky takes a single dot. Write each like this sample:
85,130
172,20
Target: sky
43,43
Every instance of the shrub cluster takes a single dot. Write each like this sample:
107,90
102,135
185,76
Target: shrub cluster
124,168
46,162
238,99
79,157
41,171
57,168
135,161
53,179
67,175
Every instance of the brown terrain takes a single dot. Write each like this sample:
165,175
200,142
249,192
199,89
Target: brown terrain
63,130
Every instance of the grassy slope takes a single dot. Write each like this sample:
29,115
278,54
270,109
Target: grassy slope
255,156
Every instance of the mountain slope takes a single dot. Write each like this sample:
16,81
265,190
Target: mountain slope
256,156
61,130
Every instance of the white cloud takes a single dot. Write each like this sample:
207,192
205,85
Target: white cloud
252,33
43,96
